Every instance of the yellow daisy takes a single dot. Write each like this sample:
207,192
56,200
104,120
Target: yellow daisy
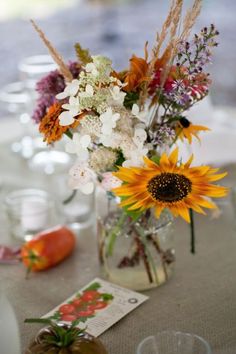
169,185
185,129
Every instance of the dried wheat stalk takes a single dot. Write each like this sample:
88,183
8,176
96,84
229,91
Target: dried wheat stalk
63,68
190,19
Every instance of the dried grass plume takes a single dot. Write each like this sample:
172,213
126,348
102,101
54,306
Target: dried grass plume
63,68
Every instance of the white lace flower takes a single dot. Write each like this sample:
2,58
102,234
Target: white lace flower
79,145
102,159
108,120
141,115
89,92
91,68
70,90
72,110
81,177
118,95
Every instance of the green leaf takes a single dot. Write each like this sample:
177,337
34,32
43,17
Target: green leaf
134,214
56,316
107,297
120,158
83,54
69,134
38,320
93,286
130,99
156,159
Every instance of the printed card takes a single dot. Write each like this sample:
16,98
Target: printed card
99,305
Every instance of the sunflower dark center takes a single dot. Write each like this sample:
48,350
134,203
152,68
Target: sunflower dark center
169,187
184,122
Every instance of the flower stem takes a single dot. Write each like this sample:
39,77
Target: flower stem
70,198
192,249
150,260
143,255
112,235
161,252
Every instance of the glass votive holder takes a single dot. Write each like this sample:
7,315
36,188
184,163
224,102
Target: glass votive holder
172,342
29,211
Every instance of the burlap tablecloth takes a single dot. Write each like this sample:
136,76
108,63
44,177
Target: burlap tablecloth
200,298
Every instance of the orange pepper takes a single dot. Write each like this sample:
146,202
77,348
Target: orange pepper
48,248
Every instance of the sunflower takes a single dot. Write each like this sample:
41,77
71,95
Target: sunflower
169,185
50,127
185,129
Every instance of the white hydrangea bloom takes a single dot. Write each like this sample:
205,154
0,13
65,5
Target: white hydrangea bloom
117,95
72,110
71,89
79,145
136,157
109,120
140,136
89,91
91,68
141,115
81,177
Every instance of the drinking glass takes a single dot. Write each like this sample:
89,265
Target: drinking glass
171,342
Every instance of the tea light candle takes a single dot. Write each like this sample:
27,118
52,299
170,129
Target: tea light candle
34,214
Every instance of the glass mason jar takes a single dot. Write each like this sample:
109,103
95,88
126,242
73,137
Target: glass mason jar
137,254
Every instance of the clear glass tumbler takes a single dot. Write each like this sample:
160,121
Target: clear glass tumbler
171,342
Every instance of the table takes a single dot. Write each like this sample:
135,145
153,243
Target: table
200,297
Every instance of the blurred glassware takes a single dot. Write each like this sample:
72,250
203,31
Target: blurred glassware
29,211
50,161
77,208
9,330
31,70
172,342
15,102
79,212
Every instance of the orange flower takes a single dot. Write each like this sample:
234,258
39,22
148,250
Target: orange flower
185,129
137,74
50,127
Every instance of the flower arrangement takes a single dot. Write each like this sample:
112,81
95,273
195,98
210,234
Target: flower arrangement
122,125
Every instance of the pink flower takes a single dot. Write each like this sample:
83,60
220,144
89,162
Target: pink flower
109,181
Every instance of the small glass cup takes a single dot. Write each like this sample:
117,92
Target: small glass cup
172,342
29,211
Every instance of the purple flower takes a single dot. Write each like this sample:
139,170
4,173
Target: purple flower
48,87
